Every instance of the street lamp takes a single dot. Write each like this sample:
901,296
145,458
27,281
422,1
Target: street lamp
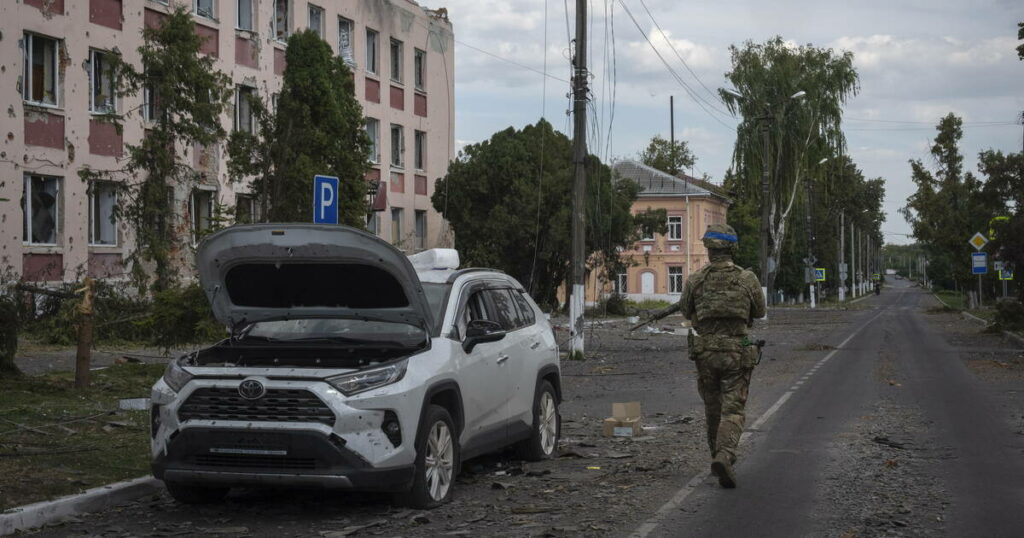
765,215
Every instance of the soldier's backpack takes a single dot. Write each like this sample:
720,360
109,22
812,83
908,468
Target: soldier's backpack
720,293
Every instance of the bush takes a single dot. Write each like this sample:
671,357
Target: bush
182,316
1010,314
615,304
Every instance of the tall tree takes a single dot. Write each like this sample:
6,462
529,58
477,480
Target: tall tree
185,98
1003,201
803,127
508,202
946,209
318,128
1020,36
668,156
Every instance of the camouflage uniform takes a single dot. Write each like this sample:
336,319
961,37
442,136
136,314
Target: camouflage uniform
722,300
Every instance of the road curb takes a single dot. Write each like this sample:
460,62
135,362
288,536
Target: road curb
41,513
1016,337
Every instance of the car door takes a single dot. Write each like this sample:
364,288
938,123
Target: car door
482,377
532,348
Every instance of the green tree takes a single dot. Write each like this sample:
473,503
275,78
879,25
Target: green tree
1003,200
318,128
508,201
803,127
188,96
947,208
1020,36
667,156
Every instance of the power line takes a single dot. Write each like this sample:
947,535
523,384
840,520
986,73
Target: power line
671,71
932,128
932,123
513,62
686,65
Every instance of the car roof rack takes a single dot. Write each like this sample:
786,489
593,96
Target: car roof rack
460,272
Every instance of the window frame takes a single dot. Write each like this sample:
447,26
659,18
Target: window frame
281,34
622,283
27,86
252,15
419,150
249,91
400,147
420,215
93,54
194,217
213,10
372,51
396,57
27,212
419,70
93,202
250,200
676,279
396,230
674,219
374,138
351,58
310,9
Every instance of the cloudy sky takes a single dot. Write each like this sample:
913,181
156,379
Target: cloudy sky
917,60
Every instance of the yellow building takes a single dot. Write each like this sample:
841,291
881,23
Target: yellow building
658,266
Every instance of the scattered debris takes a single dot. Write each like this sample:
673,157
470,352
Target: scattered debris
885,441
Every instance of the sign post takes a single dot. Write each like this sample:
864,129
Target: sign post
1004,276
325,200
979,262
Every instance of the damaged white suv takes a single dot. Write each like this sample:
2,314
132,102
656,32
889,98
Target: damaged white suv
350,367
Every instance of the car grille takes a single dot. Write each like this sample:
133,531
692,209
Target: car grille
254,461
277,405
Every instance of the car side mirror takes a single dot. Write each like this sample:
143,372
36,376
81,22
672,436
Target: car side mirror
479,331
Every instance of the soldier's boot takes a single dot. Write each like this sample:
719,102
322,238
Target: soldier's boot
722,468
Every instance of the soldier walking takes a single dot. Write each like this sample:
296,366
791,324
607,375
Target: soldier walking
722,300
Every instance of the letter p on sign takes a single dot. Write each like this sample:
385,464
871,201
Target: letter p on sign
325,200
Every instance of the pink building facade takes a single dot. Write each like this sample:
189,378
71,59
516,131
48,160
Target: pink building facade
55,227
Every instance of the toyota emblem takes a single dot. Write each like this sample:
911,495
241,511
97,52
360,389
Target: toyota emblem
251,389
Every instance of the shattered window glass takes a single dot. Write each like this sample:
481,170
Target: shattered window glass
40,206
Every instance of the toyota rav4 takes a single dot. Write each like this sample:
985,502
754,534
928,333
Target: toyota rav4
352,366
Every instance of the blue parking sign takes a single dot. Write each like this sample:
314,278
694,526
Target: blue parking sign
979,263
325,200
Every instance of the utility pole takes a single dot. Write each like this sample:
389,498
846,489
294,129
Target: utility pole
810,251
671,125
853,260
842,269
579,189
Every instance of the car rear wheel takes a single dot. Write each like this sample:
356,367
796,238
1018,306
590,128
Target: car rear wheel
437,455
188,494
547,425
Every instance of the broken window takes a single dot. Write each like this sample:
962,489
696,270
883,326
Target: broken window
675,280
42,77
675,228
397,146
396,225
373,223
41,207
420,150
316,20
373,131
201,209
419,68
245,209
244,11
244,96
203,8
102,221
371,51
282,18
346,49
396,60
101,83
421,229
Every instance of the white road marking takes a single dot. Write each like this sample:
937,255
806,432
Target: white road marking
676,501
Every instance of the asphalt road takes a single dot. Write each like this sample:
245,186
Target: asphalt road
893,416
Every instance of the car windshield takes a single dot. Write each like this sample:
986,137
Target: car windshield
436,294
336,330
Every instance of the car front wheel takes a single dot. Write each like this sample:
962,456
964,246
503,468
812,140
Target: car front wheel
437,454
547,425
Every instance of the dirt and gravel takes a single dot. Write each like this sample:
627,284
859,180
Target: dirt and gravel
876,483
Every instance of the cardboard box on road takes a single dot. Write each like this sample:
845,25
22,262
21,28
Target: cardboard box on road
625,420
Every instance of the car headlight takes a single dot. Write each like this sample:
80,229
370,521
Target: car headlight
365,380
175,376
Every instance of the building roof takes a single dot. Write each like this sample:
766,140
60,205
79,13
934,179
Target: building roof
654,182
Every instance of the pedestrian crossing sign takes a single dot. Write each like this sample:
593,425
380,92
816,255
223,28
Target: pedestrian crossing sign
1005,274
819,274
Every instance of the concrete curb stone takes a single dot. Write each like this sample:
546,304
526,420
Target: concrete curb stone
1016,337
41,513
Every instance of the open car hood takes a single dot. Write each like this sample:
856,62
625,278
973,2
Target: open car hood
262,272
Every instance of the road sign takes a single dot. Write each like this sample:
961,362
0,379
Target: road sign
842,268
997,266
1005,275
819,274
325,200
842,277
979,263
977,241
